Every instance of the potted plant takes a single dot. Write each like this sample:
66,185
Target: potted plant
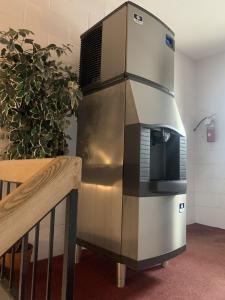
38,95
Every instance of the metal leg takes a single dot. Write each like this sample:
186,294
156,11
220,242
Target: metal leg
78,254
121,275
165,264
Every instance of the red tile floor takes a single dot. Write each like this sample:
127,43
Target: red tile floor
198,274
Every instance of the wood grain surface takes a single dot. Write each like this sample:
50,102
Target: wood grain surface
21,170
29,203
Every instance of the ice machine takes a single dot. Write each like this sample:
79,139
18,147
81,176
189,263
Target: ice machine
132,202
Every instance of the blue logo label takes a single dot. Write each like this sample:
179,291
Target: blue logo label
170,42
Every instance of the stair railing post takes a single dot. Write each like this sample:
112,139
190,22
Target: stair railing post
23,267
69,246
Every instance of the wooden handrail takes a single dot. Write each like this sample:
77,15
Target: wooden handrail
21,170
31,201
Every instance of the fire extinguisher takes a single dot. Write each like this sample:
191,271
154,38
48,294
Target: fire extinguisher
211,132
210,128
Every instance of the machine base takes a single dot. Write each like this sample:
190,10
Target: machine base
131,263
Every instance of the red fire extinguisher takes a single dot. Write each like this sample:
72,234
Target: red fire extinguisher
210,127
211,132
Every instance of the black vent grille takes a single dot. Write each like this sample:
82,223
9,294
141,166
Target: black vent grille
145,144
183,158
90,60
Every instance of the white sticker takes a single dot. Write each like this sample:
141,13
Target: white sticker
181,207
138,19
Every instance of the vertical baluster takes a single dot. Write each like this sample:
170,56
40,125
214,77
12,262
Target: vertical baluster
1,188
12,261
34,270
8,188
2,258
69,247
2,274
50,254
23,267
11,274
2,267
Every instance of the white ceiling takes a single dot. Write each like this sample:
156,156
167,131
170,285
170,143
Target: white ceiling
199,25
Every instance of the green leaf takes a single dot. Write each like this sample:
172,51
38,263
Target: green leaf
11,46
37,85
27,99
34,131
34,110
4,41
19,48
79,94
16,118
12,32
3,52
58,52
73,102
68,47
42,153
36,46
20,67
29,41
25,32
39,64
51,46
20,93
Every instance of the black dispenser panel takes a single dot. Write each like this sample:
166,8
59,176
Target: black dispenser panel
158,165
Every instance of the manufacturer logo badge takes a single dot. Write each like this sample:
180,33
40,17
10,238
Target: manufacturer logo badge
181,207
138,19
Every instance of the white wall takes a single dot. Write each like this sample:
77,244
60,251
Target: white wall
185,93
62,21
210,157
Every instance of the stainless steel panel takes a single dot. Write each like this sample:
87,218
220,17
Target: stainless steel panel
100,144
114,45
130,225
148,55
148,105
160,229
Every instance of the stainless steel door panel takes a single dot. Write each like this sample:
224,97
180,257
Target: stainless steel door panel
100,214
130,227
100,144
162,227
151,106
153,226
148,55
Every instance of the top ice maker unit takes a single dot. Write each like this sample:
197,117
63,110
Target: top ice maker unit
129,42
132,202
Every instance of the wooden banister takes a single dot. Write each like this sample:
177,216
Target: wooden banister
45,184
21,170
